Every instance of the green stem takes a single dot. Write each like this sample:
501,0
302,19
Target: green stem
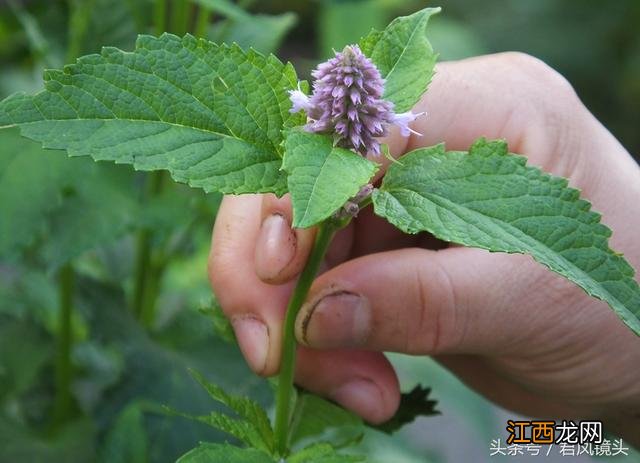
160,16
79,22
202,22
143,275
180,17
62,401
287,364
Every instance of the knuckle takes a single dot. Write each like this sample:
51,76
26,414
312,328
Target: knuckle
432,329
539,79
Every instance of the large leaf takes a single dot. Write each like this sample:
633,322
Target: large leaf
491,200
404,56
211,115
212,453
322,177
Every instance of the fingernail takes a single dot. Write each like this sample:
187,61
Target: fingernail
253,338
360,395
275,248
337,319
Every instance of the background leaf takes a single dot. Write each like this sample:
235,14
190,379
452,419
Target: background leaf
404,56
211,115
264,33
492,200
321,177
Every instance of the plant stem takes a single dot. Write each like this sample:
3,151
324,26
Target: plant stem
202,21
180,17
62,401
160,16
285,379
143,275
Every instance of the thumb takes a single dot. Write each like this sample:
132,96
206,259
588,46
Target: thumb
418,301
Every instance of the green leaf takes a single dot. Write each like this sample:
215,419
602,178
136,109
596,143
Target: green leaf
225,7
315,418
48,195
214,453
413,404
491,200
322,177
211,115
242,430
322,453
404,57
127,439
263,32
255,416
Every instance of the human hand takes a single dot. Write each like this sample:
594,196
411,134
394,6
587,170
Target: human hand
522,336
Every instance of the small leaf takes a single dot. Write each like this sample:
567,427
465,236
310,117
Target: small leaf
218,453
490,199
246,408
413,404
241,429
322,453
318,419
322,177
404,56
212,115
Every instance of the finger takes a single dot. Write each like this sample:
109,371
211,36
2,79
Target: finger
418,301
363,382
255,309
280,250
506,95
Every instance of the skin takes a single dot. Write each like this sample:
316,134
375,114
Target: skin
520,335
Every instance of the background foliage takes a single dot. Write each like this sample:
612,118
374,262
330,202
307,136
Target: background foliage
103,291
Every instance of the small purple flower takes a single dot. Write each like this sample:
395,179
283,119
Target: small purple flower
347,102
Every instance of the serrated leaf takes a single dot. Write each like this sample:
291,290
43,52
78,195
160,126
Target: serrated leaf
322,453
211,115
491,200
255,416
241,429
318,419
214,453
322,177
413,404
404,57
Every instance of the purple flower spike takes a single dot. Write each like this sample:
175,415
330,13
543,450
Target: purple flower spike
347,102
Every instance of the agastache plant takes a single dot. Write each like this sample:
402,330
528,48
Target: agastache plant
233,121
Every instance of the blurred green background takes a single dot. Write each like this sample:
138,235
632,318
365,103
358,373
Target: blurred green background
104,300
